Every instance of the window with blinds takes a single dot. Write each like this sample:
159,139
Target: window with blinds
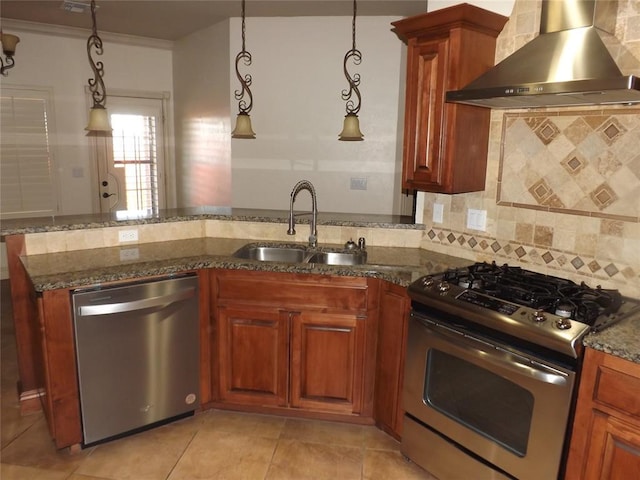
135,151
27,186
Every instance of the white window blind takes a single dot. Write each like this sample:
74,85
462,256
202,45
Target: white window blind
26,179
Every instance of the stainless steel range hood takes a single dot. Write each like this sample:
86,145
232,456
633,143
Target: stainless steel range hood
570,63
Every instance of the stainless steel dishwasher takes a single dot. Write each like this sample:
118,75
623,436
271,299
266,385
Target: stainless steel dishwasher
137,349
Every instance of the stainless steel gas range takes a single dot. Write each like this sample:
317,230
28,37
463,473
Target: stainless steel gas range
493,355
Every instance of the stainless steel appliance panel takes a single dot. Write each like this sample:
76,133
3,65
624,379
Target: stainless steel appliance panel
137,353
441,457
506,407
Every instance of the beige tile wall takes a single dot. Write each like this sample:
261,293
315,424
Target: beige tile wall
572,235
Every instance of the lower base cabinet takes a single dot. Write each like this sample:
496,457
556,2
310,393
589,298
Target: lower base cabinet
294,341
605,443
392,336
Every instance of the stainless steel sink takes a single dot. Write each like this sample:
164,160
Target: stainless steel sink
297,254
285,254
339,258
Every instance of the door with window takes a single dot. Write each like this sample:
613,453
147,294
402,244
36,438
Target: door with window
131,163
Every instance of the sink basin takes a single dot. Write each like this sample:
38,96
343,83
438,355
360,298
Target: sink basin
339,258
272,254
296,254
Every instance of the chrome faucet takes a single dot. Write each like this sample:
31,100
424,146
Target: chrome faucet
313,235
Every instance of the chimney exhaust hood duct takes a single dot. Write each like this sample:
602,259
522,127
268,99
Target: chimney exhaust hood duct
568,64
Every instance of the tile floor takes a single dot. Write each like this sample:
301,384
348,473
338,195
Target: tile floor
212,445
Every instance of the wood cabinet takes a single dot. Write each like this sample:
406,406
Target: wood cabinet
392,336
253,355
295,341
605,443
445,144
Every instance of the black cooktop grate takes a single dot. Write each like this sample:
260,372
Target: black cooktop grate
536,290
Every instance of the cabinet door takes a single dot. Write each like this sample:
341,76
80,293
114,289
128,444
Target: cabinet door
445,144
614,452
423,166
253,354
327,362
392,334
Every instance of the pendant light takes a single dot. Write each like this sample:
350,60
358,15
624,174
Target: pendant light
9,43
351,128
98,115
243,121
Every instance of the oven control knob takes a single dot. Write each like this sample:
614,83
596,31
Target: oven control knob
443,287
427,282
563,323
538,316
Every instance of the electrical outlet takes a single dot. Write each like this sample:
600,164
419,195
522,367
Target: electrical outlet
477,219
438,213
128,236
358,183
127,254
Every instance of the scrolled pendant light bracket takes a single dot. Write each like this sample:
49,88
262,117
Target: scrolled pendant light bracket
94,45
243,122
351,128
354,81
98,116
245,80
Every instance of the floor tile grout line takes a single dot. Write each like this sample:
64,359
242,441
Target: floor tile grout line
184,450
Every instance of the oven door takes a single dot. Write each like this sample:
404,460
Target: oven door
509,409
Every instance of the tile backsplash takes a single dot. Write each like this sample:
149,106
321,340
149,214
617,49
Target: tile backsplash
562,193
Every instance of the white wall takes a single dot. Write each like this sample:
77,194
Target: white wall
61,63
203,132
298,78
297,115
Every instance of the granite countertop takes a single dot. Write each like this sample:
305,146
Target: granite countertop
125,218
84,268
621,339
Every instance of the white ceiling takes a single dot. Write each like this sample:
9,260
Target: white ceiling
174,19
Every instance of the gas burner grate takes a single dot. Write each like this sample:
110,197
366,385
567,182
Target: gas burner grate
536,290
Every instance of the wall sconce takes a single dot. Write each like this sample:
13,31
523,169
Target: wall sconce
351,128
98,115
243,121
9,43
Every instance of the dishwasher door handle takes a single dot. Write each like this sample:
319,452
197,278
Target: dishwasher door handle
109,308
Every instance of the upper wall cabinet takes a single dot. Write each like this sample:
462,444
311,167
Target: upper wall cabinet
445,144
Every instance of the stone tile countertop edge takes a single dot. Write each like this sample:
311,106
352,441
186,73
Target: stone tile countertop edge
85,268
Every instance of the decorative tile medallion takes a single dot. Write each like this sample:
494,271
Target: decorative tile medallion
575,162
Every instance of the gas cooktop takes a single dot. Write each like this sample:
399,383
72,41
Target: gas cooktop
548,311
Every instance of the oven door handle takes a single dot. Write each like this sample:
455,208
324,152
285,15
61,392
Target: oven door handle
499,356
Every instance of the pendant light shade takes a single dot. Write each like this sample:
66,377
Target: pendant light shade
243,127
351,129
243,121
98,115
98,120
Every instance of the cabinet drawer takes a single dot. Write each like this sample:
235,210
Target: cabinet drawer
293,290
618,390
